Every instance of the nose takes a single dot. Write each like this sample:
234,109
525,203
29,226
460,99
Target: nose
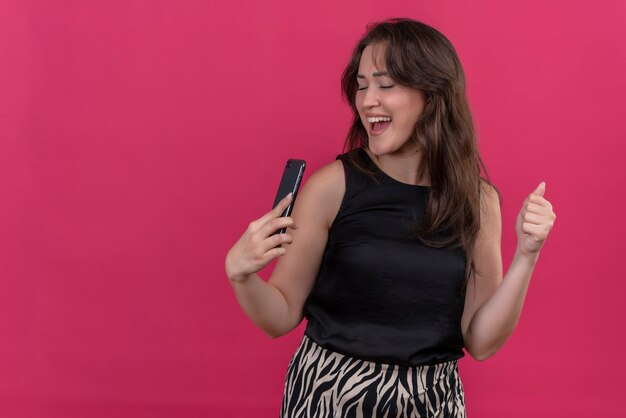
370,98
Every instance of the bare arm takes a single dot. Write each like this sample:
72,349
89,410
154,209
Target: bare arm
276,306
493,304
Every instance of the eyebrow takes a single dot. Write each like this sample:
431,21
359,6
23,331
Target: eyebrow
377,74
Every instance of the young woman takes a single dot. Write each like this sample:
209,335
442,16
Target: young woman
376,255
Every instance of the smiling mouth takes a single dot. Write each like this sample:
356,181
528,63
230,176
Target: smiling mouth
377,128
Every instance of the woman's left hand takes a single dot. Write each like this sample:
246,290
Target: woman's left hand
534,222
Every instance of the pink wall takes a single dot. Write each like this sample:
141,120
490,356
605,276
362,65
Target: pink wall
139,138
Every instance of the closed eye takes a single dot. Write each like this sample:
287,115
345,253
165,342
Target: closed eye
382,87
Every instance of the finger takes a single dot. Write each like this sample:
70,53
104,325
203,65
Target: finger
541,189
543,202
275,224
281,206
275,241
539,200
273,253
277,210
535,208
547,214
535,219
538,232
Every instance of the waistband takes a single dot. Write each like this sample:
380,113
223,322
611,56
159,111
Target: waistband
424,375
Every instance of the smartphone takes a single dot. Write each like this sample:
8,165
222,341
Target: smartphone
290,182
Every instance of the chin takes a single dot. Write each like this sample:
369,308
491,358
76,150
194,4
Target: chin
378,149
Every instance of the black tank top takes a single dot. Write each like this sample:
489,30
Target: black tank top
380,294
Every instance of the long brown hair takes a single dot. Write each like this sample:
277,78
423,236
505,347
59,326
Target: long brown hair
420,57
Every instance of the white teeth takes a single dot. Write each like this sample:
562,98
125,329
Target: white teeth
379,119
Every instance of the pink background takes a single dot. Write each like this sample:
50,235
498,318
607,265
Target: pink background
139,138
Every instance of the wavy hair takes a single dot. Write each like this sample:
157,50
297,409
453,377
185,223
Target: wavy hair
420,57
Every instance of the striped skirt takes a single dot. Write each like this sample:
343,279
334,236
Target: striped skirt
323,383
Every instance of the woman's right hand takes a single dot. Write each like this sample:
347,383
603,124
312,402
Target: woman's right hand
257,246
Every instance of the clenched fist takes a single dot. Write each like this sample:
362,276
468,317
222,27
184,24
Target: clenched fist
534,222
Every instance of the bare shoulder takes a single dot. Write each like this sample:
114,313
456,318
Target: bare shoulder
330,172
490,199
490,231
327,187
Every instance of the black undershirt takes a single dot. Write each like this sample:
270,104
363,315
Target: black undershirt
380,294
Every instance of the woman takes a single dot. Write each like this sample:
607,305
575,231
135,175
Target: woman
376,253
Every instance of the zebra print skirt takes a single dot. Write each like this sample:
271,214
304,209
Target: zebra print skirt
323,383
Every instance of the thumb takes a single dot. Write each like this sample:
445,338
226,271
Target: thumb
541,189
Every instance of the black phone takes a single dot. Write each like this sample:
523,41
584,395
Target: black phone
290,182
